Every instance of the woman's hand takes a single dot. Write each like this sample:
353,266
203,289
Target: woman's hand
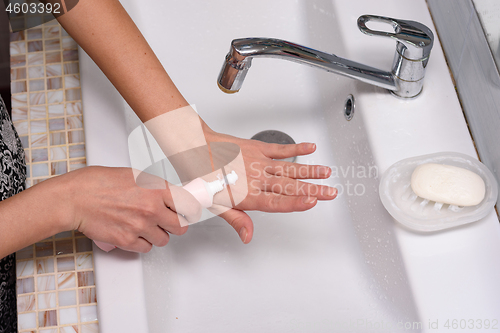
270,185
107,205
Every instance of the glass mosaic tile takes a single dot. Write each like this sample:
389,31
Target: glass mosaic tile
55,286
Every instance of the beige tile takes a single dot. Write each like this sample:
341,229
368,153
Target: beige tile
18,73
64,246
47,318
56,110
24,268
71,68
52,44
34,34
74,122
59,153
55,96
46,301
38,126
67,297
44,249
52,57
83,244
71,55
35,59
39,155
58,138
19,114
51,32
25,253
85,279
68,316
69,43
27,321
84,261
90,328
37,85
35,46
76,151
38,140
36,72
88,313
56,124
73,95
17,48
18,87
18,60
20,100
46,283
69,329
54,83
38,112
87,296
54,70
17,36
44,266
74,108
76,137
26,303
58,168
37,98
72,81
21,128
25,286
66,280
65,264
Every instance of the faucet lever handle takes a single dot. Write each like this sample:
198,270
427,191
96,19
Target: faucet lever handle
414,39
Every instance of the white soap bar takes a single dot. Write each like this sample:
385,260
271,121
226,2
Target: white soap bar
447,184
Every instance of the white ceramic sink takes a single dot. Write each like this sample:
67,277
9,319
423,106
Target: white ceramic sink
342,266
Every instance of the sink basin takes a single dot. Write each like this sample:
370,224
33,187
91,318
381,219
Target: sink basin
345,265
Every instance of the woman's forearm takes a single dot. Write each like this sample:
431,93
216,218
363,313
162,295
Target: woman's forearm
109,36
30,216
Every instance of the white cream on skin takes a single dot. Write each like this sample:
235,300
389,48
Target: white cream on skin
204,191
448,184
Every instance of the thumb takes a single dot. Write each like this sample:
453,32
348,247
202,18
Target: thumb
241,222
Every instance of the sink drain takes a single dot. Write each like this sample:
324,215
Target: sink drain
273,136
349,107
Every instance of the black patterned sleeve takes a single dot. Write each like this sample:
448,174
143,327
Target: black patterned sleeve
12,181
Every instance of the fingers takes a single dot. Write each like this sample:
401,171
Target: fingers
277,151
278,203
298,171
182,202
241,222
287,186
173,223
139,245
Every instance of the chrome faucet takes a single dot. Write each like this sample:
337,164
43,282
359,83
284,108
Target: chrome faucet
413,47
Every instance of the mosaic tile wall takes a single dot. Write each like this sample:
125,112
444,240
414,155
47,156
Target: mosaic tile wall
55,277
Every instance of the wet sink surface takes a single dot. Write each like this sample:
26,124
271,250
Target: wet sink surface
343,264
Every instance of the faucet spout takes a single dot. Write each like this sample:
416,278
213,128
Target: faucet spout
405,80
242,51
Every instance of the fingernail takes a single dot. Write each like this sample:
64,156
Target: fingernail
324,171
332,191
243,234
312,146
309,200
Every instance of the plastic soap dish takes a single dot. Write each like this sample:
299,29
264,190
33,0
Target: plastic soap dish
424,215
